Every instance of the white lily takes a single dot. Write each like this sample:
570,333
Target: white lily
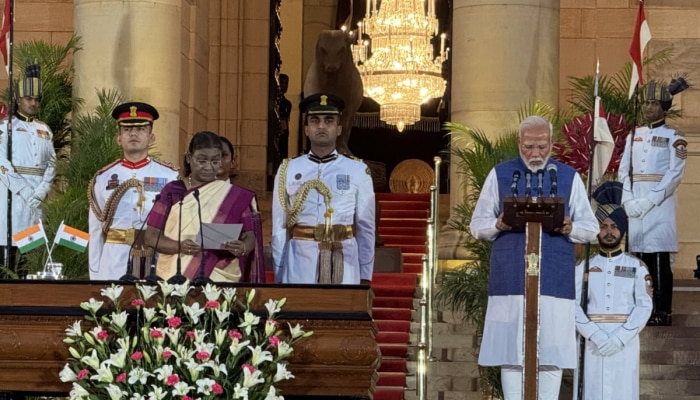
194,368
78,392
229,294
236,347
282,373
211,292
259,355
147,291
284,349
249,320
112,292
115,392
222,315
140,375
163,372
204,386
273,307
149,313
169,311
240,392
194,311
91,305
117,359
173,334
157,393
67,374
181,389
220,336
74,330
272,394
92,360
295,331
251,379
182,290
104,374
119,319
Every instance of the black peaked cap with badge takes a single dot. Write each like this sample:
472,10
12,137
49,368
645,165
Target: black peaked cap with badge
135,114
322,104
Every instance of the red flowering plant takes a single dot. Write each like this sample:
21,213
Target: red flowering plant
575,149
174,346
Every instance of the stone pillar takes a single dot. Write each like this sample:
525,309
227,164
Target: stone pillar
133,46
504,54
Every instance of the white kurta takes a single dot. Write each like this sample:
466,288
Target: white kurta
295,261
108,261
662,165
503,330
616,285
32,147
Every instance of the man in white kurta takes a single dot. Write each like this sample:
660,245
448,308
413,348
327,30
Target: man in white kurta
618,307
318,189
651,169
502,343
122,194
28,174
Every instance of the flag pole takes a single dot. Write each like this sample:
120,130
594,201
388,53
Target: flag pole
586,264
10,107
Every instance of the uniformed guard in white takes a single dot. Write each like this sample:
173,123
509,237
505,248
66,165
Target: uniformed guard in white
122,194
323,211
32,168
651,169
618,306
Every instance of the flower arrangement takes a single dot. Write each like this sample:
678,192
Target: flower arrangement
173,347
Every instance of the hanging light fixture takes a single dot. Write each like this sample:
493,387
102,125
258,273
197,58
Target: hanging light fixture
397,64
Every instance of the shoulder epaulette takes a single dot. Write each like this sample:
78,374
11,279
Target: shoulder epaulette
108,166
353,157
165,164
297,156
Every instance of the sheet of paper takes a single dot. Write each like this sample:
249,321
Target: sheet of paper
215,235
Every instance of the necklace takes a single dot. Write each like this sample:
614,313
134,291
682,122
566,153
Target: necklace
189,180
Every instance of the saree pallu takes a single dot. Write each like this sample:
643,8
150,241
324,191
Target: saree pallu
220,202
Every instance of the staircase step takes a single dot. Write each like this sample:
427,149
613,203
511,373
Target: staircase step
392,302
669,344
402,196
388,393
402,230
658,332
686,320
394,365
657,397
669,372
389,290
412,249
393,326
397,379
408,214
414,269
392,314
403,240
404,205
404,222
393,349
393,337
398,279
685,357
660,387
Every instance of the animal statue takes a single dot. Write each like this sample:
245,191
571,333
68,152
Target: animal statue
333,71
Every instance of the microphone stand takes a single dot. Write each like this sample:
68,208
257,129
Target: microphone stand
201,279
178,278
152,275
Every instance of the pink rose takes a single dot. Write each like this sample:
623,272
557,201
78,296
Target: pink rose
137,356
172,380
167,354
121,377
138,303
186,397
248,368
83,373
156,333
203,355
190,334
212,304
233,334
174,322
274,341
102,335
216,388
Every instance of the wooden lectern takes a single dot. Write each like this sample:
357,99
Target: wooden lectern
532,215
339,360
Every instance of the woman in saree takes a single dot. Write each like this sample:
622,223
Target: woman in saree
176,217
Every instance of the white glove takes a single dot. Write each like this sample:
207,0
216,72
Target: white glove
599,338
34,202
611,347
26,194
632,208
645,205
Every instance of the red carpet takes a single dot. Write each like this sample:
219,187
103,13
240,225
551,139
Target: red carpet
402,224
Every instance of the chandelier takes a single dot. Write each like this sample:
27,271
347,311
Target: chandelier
397,65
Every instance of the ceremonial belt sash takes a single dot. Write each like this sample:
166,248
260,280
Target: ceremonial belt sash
609,318
647,178
316,233
30,171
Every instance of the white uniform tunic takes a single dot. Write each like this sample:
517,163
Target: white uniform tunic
295,261
658,166
30,174
108,261
616,285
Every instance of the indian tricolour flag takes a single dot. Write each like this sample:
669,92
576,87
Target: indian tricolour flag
30,238
72,238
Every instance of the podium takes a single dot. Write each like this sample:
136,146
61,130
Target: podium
339,360
532,215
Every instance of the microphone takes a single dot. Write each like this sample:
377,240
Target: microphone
528,183
201,279
178,278
552,169
540,175
514,184
152,276
128,276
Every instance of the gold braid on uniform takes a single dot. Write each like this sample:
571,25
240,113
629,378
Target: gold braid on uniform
106,215
330,257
